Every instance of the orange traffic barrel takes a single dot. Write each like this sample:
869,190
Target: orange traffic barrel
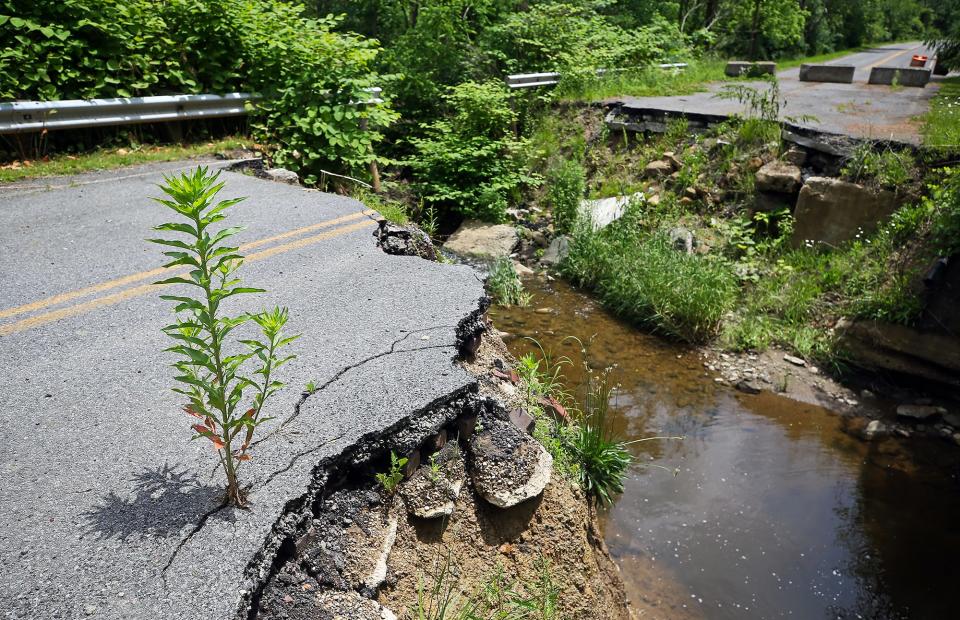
918,61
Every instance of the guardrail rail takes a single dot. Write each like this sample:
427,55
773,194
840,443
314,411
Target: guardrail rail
28,116
536,80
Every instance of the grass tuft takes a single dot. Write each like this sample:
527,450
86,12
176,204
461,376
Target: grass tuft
941,126
505,286
643,278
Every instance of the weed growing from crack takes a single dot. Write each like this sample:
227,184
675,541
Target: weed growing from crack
212,370
392,478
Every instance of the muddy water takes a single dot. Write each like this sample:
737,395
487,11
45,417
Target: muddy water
773,511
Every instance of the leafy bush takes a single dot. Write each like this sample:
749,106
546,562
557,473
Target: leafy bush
645,279
211,371
566,184
310,77
470,162
505,285
565,36
311,80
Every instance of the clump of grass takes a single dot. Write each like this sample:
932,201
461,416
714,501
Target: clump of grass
643,278
641,81
941,126
886,167
505,286
109,158
544,383
392,210
566,184
603,458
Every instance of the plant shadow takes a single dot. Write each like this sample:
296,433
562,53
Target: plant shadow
164,501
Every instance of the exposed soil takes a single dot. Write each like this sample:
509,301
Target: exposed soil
367,557
478,540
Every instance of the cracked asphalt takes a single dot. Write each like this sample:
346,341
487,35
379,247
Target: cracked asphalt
859,110
108,510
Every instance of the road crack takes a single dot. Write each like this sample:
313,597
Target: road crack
336,377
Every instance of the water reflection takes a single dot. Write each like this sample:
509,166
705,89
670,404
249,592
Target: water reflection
775,512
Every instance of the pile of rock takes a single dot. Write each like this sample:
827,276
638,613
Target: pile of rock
341,562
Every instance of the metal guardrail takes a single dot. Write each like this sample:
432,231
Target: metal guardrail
536,80
28,116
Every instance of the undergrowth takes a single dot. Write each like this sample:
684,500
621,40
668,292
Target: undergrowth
505,286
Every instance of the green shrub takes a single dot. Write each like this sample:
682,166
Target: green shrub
565,36
505,286
645,279
566,184
470,162
309,76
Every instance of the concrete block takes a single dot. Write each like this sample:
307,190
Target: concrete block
740,68
840,74
904,76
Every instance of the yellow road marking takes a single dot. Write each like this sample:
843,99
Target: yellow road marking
891,57
55,315
161,271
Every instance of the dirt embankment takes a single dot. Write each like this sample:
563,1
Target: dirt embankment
368,556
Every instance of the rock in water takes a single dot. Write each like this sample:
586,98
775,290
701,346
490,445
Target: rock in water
556,252
919,412
874,430
433,489
779,177
482,240
509,466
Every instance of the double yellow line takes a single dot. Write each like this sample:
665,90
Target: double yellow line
143,289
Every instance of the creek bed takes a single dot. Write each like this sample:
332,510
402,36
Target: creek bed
774,512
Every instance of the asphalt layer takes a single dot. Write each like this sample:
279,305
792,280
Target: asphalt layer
108,510
858,110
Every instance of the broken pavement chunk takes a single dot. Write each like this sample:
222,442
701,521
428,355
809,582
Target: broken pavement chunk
509,466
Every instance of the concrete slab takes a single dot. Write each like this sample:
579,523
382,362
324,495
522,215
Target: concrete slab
839,74
902,76
109,511
740,68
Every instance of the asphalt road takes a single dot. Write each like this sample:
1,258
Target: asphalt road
858,110
101,490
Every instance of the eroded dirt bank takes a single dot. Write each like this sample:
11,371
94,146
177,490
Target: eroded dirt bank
367,553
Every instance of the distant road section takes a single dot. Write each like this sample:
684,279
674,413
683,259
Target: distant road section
858,110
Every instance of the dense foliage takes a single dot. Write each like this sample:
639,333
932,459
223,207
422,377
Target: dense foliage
310,75
471,161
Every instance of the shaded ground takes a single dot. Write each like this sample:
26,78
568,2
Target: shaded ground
109,511
858,110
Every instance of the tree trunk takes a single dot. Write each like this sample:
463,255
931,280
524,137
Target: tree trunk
755,30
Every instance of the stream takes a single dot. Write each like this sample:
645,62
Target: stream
765,509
